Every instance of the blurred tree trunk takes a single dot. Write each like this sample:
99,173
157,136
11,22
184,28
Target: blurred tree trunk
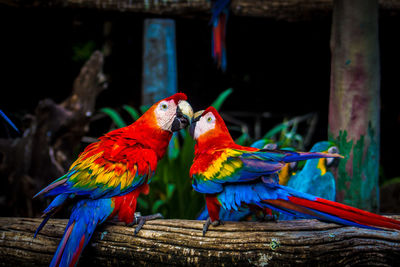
50,142
159,60
354,107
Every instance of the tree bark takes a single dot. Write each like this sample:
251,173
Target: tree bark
50,142
354,107
290,10
180,242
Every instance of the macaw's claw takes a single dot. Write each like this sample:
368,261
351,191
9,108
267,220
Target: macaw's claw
269,218
140,220
209,222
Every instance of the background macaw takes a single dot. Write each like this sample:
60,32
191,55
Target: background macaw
108,176
218,21
315,178
231,176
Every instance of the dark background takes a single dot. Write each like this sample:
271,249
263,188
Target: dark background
275,66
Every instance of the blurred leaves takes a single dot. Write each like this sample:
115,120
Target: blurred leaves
83,51
221,99
132,111
286,134
114,115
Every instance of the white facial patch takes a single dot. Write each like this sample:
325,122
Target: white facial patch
165,114
206,123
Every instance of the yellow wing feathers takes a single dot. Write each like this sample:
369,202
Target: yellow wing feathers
89,173
222,167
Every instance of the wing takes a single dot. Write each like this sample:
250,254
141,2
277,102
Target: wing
211,171
232,166
106,170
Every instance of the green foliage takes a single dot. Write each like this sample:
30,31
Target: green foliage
284,135
114,115
82,52
171,189
132,111
395,180
357,184
221,98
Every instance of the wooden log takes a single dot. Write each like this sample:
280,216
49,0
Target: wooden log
290,10
159,78
354,107
180,242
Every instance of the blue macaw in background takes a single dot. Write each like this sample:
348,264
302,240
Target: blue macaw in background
220,10
315,178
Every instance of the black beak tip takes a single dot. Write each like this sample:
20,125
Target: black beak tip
184,121
191,129
180,122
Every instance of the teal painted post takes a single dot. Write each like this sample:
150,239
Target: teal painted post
354,107
159,60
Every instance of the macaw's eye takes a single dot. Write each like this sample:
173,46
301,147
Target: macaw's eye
164,106
209,119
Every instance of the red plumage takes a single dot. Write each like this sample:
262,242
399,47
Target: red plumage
347,212
109,175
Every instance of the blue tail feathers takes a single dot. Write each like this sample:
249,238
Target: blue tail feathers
86,215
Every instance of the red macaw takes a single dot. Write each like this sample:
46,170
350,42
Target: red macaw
108,176
220,10
231,176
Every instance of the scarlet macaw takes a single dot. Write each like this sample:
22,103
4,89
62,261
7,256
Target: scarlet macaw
231,176
108,176
246,213
219,19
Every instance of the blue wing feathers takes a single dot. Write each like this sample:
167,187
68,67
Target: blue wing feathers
238,194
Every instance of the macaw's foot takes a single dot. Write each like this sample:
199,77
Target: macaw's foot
270,218
208,222
140,220
267,218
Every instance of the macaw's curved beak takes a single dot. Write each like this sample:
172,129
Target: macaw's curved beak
332,162
184,115
196,118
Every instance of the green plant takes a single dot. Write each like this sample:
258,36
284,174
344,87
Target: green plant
83,51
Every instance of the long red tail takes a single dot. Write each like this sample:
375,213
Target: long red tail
347,212
327,210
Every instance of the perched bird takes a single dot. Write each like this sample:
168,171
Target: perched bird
247,212
315,178
231,176
108,176
218,21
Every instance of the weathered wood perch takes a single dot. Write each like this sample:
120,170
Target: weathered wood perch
180,242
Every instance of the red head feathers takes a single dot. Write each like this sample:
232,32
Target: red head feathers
210,128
